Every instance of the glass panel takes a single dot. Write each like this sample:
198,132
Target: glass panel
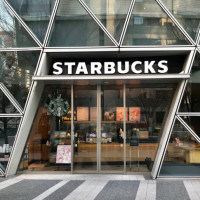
112,14
112,142
74,27
5,105
187,13
16,70
13,33
8,130
85,127
149,25
193,122
36,14
147,109
49,144
182,157
191,97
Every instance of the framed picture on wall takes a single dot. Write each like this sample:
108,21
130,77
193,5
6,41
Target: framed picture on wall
120,113
134,114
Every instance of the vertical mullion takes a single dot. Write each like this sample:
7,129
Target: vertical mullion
98,128
72,127
126,22
51,21
124,124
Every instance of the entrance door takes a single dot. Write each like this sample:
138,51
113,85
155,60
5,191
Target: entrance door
112,134
148,108
117,128
85,128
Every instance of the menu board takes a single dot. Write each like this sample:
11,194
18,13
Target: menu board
120,113
63,155
134,114
82,114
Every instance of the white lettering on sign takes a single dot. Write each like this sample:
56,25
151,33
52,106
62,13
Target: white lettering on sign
108,68
57,68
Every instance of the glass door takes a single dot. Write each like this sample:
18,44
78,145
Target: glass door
112,135
85,128
148,107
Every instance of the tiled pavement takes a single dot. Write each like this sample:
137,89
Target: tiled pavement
98,187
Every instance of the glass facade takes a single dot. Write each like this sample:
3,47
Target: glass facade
145,113
100,118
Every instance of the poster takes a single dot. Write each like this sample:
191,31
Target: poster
109,114
120,114
82,113
134,114
63,155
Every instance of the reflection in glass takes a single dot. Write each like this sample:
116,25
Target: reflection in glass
5,105
147,110
193,123
35,13
8,130
112,135
112,14
182,157
191,98
49,144
187,13
74,27
12,33
16,70
85,128
150,25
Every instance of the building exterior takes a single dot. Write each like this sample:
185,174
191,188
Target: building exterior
100,86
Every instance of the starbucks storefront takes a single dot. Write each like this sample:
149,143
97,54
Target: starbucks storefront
89,123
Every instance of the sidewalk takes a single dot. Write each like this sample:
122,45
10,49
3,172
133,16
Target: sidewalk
96,186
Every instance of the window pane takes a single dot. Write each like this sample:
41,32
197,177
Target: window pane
74,27
36,14
182,157
193,123
49,144
112,14
149,25
16,70
191,97
187,13
8,130
5,105
13,33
